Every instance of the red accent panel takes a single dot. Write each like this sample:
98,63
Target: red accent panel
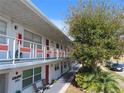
3,47
39,51
25,49
47,55
47,47
47,42
20,38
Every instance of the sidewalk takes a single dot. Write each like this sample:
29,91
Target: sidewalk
63,83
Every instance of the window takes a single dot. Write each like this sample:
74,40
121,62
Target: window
29,36
65,65
3,27
61,47
57,66
27,78
37,38
30,76
27,82
27,73
37,74
68,64
57,46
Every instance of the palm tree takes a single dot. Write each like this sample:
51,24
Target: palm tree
98,82
106,83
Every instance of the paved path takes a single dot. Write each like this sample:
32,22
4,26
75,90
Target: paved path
121,83
63,83
121,73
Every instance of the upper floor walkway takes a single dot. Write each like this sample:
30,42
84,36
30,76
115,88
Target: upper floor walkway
27,37
13,50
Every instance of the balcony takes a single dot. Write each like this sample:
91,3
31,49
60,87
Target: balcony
13,50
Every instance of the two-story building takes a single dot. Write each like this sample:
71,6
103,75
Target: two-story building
31,48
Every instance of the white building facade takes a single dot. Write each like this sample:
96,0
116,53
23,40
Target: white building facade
31,48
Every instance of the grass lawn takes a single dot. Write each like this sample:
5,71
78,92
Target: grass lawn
73,89
122,90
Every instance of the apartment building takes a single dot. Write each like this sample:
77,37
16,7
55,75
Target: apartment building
31,48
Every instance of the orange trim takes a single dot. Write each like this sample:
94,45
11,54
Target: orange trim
39,51
25,49
3,47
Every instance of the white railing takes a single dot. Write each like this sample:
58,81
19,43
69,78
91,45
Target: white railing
15,50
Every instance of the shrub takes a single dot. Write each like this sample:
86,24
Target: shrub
97,82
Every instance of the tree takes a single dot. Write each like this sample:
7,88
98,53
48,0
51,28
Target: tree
96,30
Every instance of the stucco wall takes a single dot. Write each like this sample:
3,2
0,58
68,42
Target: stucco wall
14,85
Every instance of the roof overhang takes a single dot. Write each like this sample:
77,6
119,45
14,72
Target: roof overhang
25,13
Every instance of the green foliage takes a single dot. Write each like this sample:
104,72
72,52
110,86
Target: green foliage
98,82
96,31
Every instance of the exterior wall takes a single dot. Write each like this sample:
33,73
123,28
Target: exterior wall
13,32
39,83
54,74
8,29
9,25
14,76
5,85
16,84
67,67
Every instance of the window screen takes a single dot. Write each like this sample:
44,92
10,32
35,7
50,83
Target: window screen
36,38
3,27
27,78
28,36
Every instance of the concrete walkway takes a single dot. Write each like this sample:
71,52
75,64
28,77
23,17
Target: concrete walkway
63,83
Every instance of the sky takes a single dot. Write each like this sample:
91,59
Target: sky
56,10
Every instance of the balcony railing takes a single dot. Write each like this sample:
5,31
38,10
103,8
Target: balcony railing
14,50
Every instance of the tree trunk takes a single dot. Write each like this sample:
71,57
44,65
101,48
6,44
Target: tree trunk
94,65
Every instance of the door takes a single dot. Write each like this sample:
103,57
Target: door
47,74
61,67
2,83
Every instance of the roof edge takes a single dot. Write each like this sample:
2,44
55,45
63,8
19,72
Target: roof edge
29,4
